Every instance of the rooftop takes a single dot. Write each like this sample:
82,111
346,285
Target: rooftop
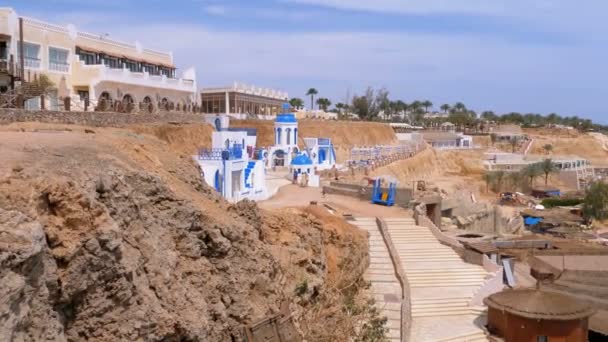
247,89
535,304
440,136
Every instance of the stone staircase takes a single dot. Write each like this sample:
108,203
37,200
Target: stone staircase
385,288
441,285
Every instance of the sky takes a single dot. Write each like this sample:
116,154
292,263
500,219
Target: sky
527,56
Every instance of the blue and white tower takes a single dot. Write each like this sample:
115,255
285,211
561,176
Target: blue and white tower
285,138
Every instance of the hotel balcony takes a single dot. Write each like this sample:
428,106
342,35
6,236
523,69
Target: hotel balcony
84,74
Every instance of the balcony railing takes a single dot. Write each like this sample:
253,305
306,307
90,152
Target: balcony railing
59,66
235,152
30,62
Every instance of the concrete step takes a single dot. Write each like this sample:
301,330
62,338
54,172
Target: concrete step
443,313
462,304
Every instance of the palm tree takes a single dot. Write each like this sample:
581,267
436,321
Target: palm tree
548,148
414,106
532,171
323,103
488,177
426,104
548,167
312,92
514,141
460,107
445,107
296,102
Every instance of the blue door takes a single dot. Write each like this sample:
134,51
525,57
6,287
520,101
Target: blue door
322,155
218,185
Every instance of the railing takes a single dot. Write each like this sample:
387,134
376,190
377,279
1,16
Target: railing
235,152
30,63
59,66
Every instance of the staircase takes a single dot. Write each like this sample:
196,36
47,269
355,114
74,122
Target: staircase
441,285
248,170
12,97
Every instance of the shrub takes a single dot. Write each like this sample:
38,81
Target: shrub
561,202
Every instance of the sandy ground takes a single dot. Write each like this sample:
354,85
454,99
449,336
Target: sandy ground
291,196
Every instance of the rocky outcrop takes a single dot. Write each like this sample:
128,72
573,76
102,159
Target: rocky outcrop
119,257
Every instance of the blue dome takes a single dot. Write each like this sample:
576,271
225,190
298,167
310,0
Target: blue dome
301,159
286,118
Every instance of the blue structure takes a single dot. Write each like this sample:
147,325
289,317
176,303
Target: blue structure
384,197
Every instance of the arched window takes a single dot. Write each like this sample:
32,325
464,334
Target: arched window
218,124
279,136
295,136
227,143
288,131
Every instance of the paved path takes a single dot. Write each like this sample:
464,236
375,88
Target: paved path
385,287
441,285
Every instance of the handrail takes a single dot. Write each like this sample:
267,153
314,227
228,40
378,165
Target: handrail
406,304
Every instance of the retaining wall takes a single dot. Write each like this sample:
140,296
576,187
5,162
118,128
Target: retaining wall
402,196
406,305
95,119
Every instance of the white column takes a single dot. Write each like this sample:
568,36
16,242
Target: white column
227,103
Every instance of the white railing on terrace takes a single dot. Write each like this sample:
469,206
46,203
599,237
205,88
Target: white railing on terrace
101,38
30,63
58,66
125,75
44,25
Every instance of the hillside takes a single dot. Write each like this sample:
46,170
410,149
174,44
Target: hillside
569,142
344,134
107,234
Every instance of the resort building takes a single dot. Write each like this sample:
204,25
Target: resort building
507,132
82,65
448,140
513,162
242,101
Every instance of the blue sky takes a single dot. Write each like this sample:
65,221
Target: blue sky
536,56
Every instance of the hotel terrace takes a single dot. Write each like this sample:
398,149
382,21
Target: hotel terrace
83,65
243,101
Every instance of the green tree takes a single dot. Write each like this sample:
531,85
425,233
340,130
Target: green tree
488,115
323,103
532,172
296,102
312,92
548,148
445,107
427,104
596,202
365,106
548,167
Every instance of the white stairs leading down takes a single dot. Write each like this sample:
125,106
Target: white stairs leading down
385,288
441,285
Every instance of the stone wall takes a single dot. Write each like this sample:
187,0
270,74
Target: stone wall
95,119
402,196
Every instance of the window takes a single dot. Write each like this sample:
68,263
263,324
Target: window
30,56
58,59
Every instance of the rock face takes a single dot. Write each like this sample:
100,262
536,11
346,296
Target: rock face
112,236
116,256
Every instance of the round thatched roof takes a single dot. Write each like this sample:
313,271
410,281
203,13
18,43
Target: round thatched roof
536,304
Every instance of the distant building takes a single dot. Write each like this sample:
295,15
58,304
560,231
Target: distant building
535,316
448,140
514,162
507,132
82,65
242,101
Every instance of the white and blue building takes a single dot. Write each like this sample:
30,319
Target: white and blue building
231,167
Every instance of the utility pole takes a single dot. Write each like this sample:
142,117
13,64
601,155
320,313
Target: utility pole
21,50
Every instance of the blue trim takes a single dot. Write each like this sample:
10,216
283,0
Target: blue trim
286,118
217,182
